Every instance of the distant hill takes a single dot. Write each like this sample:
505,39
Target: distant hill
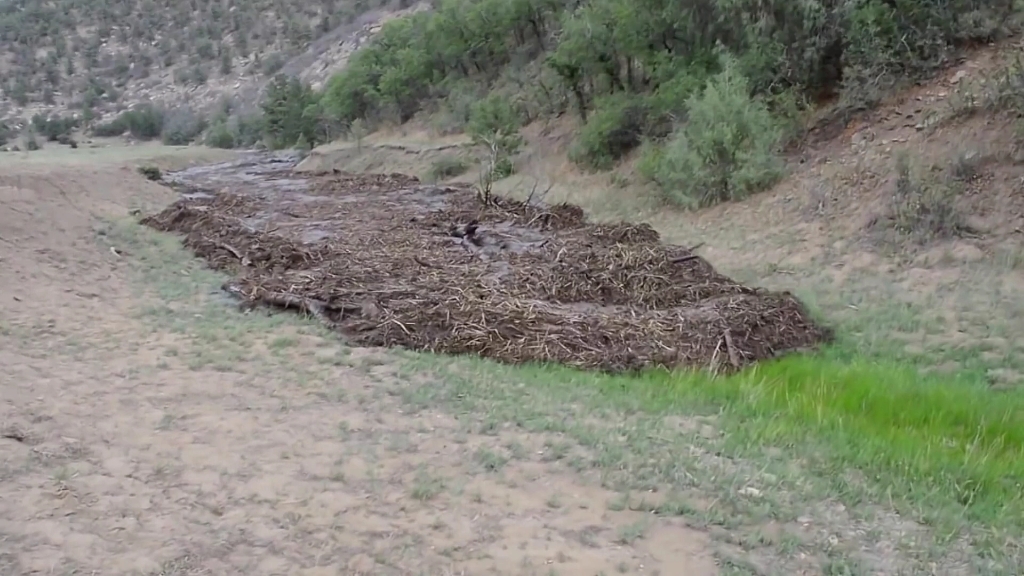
97,57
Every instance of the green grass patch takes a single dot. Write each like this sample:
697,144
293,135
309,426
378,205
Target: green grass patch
943,450
920,437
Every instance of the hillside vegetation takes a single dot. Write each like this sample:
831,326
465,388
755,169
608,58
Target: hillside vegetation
89,60
715,86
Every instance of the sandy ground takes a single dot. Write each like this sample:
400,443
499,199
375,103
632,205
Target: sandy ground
128,448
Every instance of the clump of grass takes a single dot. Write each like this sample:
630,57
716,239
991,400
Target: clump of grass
965,165
925,208
151,173
1002,91
447,167
426,487
489,460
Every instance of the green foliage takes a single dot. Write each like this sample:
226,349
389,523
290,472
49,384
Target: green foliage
725,151
5,133
246,129
922,207
151,173
220,136
181,126
495,123
291,114
176,127
616,127
18,91
635,66
145,123
54,127
273,63
31,144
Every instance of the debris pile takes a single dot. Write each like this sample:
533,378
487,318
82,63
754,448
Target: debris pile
388,261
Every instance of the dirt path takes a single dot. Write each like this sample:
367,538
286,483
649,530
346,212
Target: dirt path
148,431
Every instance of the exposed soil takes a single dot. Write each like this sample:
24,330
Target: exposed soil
389,261
143,432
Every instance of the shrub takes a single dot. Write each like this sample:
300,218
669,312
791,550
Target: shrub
447,167
247,129
31,144
452,115
922,208
493,121
54,127
727,149
291,111
273,63
144,123
151,173
220,136
182,126
615,128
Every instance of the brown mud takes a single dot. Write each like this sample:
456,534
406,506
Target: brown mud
388,261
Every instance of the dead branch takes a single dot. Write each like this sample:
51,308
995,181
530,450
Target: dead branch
682,259
424,263
230,248
733,357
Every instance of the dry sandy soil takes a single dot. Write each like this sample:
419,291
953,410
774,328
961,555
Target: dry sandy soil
142,437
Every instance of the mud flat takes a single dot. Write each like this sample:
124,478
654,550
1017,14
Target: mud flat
388,261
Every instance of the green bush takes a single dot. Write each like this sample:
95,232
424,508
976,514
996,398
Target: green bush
493,121
182,126
54,127
494,124
220,136
145,123
615,128
453,111
151,173
922,207
292,112
247,129
726,150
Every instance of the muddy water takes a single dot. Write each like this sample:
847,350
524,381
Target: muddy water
293,205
